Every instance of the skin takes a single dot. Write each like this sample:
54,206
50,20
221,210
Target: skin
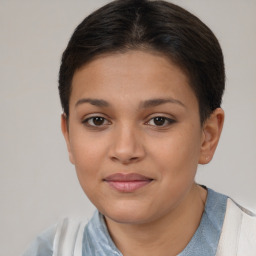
161,217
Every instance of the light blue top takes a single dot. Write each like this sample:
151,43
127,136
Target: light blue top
97,241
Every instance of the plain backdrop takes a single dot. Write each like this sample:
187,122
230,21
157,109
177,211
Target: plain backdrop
38,185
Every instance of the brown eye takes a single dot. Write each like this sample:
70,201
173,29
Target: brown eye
95,121
160,121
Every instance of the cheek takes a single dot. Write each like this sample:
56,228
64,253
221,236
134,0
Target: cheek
86,147
88,163
88,154
177,154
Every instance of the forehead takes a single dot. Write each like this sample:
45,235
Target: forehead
134,74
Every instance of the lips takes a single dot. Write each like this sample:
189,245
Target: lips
127,183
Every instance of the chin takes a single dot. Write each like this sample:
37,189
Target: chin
127,219
128,214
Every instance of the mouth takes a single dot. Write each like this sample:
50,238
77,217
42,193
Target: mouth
127,183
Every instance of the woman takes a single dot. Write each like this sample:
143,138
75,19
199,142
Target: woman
141,85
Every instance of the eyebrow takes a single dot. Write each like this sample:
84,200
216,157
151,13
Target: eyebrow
160,101
95,102
145,104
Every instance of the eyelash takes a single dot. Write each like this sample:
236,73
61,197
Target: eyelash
87,120
167,121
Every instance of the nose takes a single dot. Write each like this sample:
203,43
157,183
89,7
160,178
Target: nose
127,145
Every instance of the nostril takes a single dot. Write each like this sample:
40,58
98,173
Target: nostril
125,160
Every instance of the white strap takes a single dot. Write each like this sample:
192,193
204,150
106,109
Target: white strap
79,240
247,242
238,237
68,239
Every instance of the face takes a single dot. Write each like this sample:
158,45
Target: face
134,135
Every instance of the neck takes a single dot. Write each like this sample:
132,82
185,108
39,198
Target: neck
166,236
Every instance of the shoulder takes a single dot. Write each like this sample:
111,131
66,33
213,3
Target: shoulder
42,244
239,231
242,218
62,239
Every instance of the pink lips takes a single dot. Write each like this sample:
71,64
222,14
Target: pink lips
127,182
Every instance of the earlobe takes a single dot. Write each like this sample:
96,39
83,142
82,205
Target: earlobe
65,132
210,135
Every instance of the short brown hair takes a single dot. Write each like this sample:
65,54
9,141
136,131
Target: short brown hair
155,25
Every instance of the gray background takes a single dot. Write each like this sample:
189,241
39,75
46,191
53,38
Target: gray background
37,183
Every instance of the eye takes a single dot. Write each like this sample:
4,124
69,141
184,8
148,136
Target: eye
96,121
160,121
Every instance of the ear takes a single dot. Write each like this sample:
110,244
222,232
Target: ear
65,132
211,132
